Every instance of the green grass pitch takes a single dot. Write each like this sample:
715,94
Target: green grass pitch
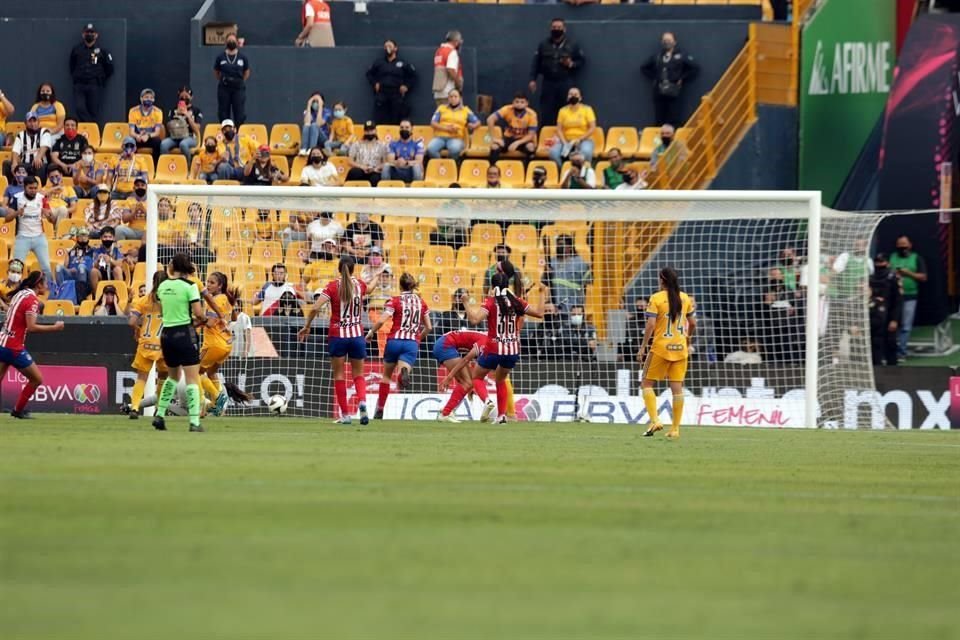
280,528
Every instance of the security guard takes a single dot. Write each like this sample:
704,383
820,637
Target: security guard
391,79
558,60
232,69
90,67
886,304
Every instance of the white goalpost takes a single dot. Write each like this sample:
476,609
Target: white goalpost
780,283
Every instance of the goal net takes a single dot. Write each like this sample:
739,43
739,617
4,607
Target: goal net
780,285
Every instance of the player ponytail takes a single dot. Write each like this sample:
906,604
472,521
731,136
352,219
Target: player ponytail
671,284
408,282
514,277
508,303
346,265
32,281
158,278
236,394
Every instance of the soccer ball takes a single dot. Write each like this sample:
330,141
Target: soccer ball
277,404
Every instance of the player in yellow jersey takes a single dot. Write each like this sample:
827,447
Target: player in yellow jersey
217,339
146,320
671,321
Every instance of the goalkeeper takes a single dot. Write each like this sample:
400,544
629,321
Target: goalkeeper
178,406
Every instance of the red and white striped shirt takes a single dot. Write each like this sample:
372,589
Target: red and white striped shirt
409,313
13,336
503,332
345,323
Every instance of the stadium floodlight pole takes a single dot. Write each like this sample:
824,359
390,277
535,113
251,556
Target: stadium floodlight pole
812,329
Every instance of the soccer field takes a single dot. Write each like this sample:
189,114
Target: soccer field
280,527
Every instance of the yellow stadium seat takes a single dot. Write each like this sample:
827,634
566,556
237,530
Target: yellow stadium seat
438,298
649,138
387,133
598,168
343,166
553,174
456,278
251,274
521,236
294,271
171,169
480,141
418,234
404,257
299,162
529,259
14,127
266,252
64,227
426,275
423,132
598,139
86,308
442,257
511,172
357,183
473,257
3,178
391,234
8,230
623,138
299,251
285,139
59,248
58,308
423,184
281,162
473,173
226,268
120,286
113,135
441,171
358,130
486,234
547,136
229,183
90,131
232,252
212,130
256,132
392,184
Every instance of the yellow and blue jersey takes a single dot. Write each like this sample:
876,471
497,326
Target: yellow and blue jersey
670,334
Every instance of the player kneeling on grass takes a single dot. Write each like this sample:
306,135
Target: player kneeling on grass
145,319
22,319
447,351
671,321
411,321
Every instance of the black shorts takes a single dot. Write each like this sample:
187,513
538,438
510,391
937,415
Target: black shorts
180,346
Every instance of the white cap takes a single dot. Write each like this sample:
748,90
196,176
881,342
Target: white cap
227,123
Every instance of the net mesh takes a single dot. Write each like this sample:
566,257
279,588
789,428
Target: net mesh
591,263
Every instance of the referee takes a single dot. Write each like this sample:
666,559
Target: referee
179,298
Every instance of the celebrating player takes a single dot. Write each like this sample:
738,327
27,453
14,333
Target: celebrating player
22,319
671,321
504,313
447,351
145,319
345,336
411,321
217,339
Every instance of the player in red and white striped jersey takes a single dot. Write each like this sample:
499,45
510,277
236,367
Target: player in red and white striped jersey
345,335
411,321
22,319
451,349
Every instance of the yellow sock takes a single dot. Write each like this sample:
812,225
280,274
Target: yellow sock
511,408
650,402
136,396
209,389
677,411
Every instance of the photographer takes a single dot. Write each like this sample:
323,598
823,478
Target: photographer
260,170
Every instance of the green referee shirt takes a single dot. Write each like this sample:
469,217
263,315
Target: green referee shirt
175,297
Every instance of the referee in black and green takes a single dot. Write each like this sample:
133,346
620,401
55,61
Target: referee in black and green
180,304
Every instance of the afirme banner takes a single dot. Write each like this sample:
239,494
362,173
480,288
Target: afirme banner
847,60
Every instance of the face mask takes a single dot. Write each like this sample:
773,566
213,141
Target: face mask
556,34
369,136
46,97
339,113
519,112
129,150
231,45
106,244
666,141
313,107
903,251
83,243
210,147
576,320
140,192
90,38
453,103
55,179
539,182
147,104
404,134
229,135
667,45
376,261
315,159
88,157
14,277
20,178
573,100
501,258
576,163
70,134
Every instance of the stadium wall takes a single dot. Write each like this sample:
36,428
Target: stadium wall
766,158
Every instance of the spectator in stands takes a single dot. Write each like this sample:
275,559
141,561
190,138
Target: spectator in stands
68,149
576,123
613,175
78,264
129,167
558,60
518,125
261,171
668,148
912,269
50,111
886,311
272,291
501,253
29,210
580,336
6,110
367,156
107,259
86,174
580,175
364,236
183,126
207,160
90,67
539,178
792,269
146,123
265,225
633,181
447,68
373,263
320,231
102,212
232,70
456,318
239,150
31,148
567,275
134,214
316,123
61,198
317,27
451,123
405,159
9,194
633,335
341,131
670,70
296,229
548,336
453,227
747,354
195,231
319,172
391,79
129,267
108,304
780,320
493,177
386,287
